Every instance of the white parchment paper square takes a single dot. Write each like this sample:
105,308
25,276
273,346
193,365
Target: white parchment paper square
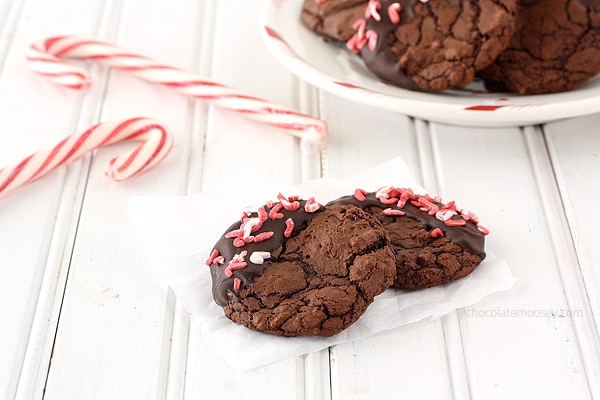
178,232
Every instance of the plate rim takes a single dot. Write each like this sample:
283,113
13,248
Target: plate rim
484,113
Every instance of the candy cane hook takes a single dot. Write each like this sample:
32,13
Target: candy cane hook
45,58
157,143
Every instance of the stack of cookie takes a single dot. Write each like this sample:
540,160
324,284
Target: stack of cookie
527,46
295,267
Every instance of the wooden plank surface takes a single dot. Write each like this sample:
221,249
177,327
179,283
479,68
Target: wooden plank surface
574,150
35,248
515,211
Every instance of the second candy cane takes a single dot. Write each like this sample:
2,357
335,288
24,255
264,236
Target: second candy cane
45,56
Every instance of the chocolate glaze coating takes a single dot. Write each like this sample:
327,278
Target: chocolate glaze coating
382,61
223,292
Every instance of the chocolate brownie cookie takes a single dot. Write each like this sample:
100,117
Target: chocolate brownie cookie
333,19
293,268
433,45
556,47
434,243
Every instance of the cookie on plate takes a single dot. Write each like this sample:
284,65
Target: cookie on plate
333,19
434,243
433,45
295,268
556,47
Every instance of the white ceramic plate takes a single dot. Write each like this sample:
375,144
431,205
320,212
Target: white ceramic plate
340,72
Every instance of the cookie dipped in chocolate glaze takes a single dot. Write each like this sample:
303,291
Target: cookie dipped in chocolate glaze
433,45
434,243
295,268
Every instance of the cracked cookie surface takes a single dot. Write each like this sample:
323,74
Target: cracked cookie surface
333,19
434,45
556,47
423,261
318,281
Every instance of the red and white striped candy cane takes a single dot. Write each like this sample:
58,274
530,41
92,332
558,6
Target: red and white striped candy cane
157,142
45,58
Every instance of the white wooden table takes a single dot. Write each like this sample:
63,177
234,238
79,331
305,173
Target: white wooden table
81,317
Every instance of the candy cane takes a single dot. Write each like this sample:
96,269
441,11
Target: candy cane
44,58
157,142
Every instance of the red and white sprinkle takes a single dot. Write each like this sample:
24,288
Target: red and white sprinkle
445,215
394,12
289,227
219,260
239,242
356,43
372,10
387,201
360,26
426,205
470,216
251,225
360,195
371,39
263,236
234,233
274,213
291,206
456,222
484,231
237,284
262,214
390,212
311,205
383,191
237,262
449,205
259,257
437,232
289,203
212,257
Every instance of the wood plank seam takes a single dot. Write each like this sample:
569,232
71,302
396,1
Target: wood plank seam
35,332
460,368
553,207
89,112
177,341
46,317
570,212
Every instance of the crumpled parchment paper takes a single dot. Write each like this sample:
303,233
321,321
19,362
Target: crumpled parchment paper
177,233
